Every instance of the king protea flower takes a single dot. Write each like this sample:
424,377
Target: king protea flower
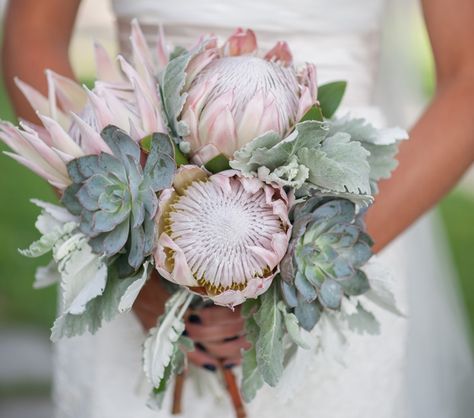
222,236
235,94
72,116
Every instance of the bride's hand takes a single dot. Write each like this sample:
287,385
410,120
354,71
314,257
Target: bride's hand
219,337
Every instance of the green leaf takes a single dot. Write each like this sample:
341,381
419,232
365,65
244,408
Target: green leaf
339,165
177,51
293,328
217,164
180,158
314,113
172,83
252,379
145,143
269,345
330,96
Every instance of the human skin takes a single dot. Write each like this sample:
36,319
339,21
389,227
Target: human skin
440,150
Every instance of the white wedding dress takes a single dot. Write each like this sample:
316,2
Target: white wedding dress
419,366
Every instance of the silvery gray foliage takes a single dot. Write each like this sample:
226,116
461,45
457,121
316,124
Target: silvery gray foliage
172,83
102,308
164,350
322,265
308,159
382,144
339,157
116,198
267,321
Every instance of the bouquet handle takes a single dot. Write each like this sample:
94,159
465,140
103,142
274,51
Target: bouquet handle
232,389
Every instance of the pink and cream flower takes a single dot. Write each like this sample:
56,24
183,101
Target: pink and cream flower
223,236
235,95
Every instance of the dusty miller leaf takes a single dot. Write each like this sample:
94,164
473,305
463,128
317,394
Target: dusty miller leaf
292,327
162,340
252,379
269,345
102,308
339,165
49,239
83,273
131,293
362,131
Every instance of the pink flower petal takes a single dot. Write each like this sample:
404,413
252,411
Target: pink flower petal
181,273
280,53
241,42
106,69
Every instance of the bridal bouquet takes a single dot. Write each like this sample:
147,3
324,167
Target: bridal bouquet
227,172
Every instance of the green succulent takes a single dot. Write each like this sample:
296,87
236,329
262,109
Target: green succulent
116,198
326,250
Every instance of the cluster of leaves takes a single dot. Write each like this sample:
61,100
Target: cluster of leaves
340,157
90,290
116,198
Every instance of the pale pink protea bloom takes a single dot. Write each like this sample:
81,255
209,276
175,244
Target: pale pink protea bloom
234,95
222,236
73,116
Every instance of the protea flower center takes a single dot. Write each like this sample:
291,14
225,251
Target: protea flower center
221,231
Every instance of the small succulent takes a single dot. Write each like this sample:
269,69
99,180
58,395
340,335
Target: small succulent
116,198
327,248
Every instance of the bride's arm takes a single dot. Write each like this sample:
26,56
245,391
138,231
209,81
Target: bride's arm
441,147
36,37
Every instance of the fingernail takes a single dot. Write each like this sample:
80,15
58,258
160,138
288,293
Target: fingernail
229,366
199,346
209,367
235,337
194,319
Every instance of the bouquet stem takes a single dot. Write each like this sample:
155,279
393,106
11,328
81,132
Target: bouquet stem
231,385
234,392
178,394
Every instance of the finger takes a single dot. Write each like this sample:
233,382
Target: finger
201,359
226,350
214,315
211,333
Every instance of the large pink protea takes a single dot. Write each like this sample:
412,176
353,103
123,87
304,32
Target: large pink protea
223,235
235,95
73,116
